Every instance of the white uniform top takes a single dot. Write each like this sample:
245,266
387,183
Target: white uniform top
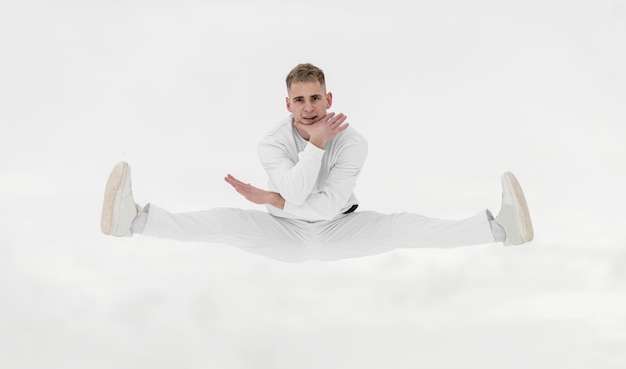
316,184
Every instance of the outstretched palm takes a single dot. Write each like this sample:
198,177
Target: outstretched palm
251,193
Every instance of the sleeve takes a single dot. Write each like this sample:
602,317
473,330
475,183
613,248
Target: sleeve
328,201
294,181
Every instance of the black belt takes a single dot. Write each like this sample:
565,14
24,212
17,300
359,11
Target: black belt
352,208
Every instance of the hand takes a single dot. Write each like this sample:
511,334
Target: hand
325,129
255,194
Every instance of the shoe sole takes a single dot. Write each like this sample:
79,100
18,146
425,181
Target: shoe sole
526,226
112,195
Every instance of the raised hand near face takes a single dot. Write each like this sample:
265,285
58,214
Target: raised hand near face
324,130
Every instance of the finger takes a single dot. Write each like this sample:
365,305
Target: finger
237,184
232,179
337,120
232,185
243,186
339,127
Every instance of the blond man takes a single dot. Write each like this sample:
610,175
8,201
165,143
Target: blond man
313,159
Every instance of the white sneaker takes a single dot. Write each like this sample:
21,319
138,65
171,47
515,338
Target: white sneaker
119,208
514,215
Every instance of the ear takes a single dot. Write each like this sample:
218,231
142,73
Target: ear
329,100
288,104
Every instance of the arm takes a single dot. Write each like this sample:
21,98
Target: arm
327,201
295,179
322,204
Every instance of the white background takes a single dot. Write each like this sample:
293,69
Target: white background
450,94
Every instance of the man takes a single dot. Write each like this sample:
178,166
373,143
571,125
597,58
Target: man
313,159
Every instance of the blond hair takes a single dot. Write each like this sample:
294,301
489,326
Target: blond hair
305,73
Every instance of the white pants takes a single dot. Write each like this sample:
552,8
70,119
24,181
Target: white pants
349,235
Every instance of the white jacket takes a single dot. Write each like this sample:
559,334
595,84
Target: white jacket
316,184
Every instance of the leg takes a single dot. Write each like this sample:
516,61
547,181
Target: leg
250,230
368,232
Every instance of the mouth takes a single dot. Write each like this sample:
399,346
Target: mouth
310,120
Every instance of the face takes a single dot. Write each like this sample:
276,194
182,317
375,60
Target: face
308,101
